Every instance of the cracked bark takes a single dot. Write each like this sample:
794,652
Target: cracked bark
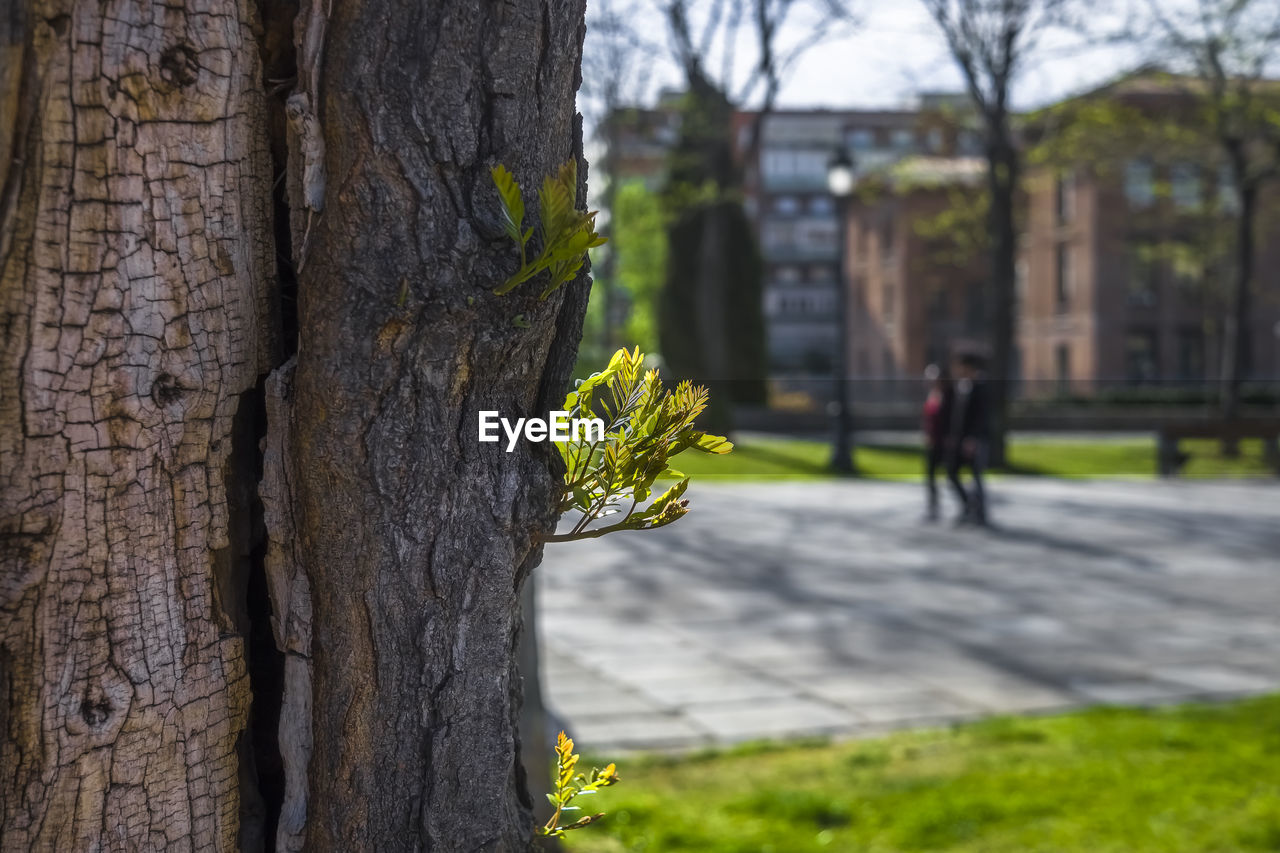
414,536
136,307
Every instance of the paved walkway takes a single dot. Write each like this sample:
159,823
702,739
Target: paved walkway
800,608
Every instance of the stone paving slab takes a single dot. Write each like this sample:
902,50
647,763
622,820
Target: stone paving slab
788,609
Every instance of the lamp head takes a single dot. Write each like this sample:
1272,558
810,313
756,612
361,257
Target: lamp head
840,174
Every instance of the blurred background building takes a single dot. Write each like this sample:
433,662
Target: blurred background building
785,184
1124,268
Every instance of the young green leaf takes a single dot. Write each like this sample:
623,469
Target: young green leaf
512,202
645,426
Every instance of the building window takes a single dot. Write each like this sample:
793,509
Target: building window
787,274
818,236
1063,277
1139,188
786,205
822,273
822,205
935,140
1064,197
861,139
1062,365
787,164
1185,180
903,140
1144,275
775,163
778,235
1140,357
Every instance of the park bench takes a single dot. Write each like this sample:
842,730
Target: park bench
1169,460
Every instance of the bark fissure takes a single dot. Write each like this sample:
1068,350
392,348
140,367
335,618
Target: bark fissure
280,636
261,765
289,595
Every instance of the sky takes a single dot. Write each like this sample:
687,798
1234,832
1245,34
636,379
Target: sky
896,52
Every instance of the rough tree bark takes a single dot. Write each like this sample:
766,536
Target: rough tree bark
135,285
415,537
144,528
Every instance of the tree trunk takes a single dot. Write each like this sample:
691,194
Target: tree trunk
136,282
414,536
138,300
711,318
1235,329
1003,173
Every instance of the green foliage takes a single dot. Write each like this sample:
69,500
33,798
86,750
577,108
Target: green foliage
566,233
1105,132
570,785
956,236
639,224
645,425
638,239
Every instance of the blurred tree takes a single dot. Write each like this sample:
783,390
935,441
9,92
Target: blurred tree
990,41
711,317
1223,50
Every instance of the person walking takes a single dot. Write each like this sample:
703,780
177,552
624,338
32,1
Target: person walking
936,426
968,438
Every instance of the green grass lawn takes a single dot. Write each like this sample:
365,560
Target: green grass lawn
1192,778
800,459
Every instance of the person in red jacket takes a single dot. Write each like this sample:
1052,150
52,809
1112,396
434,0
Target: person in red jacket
937,427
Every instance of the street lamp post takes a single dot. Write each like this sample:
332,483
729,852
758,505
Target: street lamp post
840,181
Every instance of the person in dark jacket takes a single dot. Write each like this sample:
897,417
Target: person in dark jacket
968,437
936,426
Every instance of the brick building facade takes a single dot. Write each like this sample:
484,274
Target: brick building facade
1123,274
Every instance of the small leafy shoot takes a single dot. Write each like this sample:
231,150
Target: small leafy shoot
570,785
565,232
645,425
